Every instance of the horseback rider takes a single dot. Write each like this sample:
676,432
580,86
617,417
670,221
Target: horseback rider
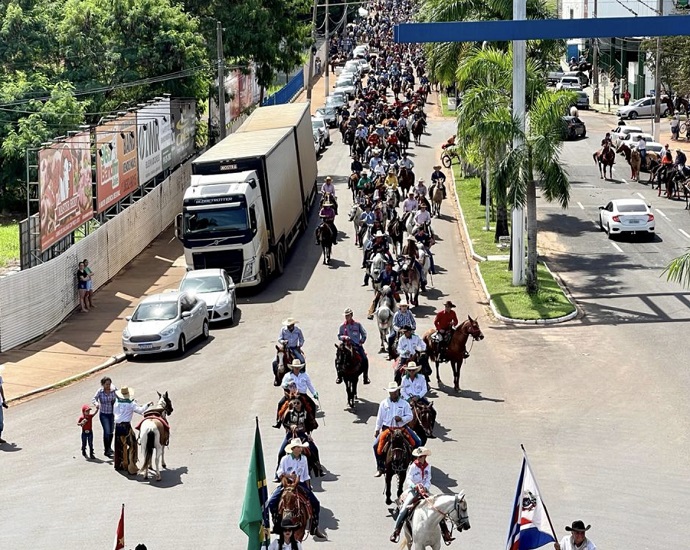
421,236
391,181
394,412
418,486
387,278
292,338
356,166
355,333
410,204
328,191
402,318
298,423
420,188
377,245
125,441
327,215
406,162
445,322
286,539
294,470
302,382
438,179
409,344
414,388
422,218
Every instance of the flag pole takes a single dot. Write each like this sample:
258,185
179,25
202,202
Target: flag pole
546,510
265,527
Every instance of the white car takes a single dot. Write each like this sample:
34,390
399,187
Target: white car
361,50
216,288
317,143
632,137
322,127
626,216
652,147
346,85
569,83
165,322
641,107
620,131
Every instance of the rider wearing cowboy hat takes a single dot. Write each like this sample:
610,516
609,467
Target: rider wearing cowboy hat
387,278
393,413
445,322
420,188
298,423
302,382
286,539
327,214
124,408
353,332
409,344
293,469
402,318
291,336
377,245
577,540
418,480
438,179
410,204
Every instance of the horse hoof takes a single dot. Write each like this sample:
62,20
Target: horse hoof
164,466
158,478
389,501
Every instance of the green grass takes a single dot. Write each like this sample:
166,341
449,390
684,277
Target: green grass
444,107
512,301
9,243
469,190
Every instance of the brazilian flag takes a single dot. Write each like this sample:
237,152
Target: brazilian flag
254,518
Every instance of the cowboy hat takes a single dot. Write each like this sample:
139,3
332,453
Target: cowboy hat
411,238
392,386
295,443
289,524
422,205
423,451
290,321
413,366
348,311
449,304
437,167
379,234
577,525
406,328
420,180
296,364
125,392
360,126
403,303
329,178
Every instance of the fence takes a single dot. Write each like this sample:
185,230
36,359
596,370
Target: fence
287,92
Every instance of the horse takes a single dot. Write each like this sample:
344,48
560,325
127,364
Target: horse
282,361
395,232
352,185
377,265
632,156
403,137
398,458
410,282
423,420
425,261
423,528
355,216
349,366
405,180
436,200
153,435
385,309
325,236
295,506
456,352
605,158
417,130
358,147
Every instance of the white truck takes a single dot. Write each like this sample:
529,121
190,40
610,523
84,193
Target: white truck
249,200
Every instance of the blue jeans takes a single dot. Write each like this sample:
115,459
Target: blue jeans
86,438
273,501
108,423
404,511
298,354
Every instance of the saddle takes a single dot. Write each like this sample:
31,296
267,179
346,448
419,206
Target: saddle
156,414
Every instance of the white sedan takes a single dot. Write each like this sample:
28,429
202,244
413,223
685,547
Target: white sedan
165,322
626,216
216,288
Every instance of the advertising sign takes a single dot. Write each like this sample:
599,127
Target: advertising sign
65,188
154,139
244,92
183,117
116,161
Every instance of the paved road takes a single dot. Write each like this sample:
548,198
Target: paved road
601,407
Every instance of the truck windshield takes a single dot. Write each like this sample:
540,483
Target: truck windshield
216,220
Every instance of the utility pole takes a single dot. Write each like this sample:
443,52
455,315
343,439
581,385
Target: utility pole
221,79
519,88
487,170
328,51
311,51
595,62
657,78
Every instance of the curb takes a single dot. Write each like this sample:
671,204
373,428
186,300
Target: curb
114,360
476,257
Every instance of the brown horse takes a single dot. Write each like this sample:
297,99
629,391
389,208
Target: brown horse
456,352
417,130
349,367
604,158
294,505
398,458
424,419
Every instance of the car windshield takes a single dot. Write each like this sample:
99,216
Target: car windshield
626,208
155,311
639,102
203,284
325,112
215,220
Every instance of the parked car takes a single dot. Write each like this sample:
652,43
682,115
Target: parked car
582,101
361,50
320,125
652,147
573,127
569,83
641,107
346,85
319,138
554,74
329,114
620,131
632,137
216,288
626,216
165,322
584,79
335,101
317,144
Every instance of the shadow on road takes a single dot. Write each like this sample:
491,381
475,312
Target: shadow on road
327,521
364,411
9,447
441,433
442,480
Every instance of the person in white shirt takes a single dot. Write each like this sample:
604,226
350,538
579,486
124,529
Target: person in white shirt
125,441
418,480
413,387
406,162
286,539
409,345
422,217
410,204
303,383
294,470
394,412
577,540
420,189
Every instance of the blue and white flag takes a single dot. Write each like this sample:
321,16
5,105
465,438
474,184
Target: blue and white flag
529,524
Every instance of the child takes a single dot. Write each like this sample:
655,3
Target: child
85,421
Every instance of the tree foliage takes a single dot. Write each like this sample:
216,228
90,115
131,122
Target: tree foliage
674,70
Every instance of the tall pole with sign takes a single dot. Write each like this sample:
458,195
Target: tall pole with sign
518,215
221,79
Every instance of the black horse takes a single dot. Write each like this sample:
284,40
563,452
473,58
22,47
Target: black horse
326,236
398,458
348,366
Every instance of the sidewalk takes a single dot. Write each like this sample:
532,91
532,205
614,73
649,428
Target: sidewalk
318,92
88,341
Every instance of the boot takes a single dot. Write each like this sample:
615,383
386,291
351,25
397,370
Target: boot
446,533
395,537
318,533
277,424
83,453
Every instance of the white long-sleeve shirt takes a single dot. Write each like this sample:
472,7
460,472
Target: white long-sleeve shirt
388,410
417,475
413,387
290,465
422,217
409,346
124,410
568,544
301,380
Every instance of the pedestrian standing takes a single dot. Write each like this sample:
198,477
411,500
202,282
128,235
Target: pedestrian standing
675,127
82,279
104,401
577,540
85,422
616,89
89,284
626,97
3,405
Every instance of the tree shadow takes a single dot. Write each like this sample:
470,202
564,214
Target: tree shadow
365,410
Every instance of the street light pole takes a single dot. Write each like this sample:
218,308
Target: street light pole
310,73
221,79
487,173
518,214
328,52
595,62
657,78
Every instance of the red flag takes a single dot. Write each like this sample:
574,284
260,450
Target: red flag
120,536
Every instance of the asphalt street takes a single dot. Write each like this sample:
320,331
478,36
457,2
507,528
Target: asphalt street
599,403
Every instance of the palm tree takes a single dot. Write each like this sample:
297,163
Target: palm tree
679,270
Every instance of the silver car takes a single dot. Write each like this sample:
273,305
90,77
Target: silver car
165,322
641,107
216,288
320,125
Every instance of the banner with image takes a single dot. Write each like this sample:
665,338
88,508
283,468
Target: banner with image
116,161
183,117
154,139
65,188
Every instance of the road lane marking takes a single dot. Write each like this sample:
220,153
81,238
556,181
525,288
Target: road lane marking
661,214
614,245
580,205
640,195
684,233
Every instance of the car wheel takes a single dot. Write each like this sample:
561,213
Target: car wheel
129,356
181,345
632,115
204,330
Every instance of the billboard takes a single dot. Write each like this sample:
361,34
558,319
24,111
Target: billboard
244,91
116,161
183,117
154,139
65,188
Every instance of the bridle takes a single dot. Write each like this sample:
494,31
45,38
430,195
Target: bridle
459,506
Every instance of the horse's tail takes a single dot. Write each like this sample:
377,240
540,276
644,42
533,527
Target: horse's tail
150,445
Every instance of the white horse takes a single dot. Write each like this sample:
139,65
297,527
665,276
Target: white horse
385,309
378,264
425,530
150,431
355,216
425,262
436,199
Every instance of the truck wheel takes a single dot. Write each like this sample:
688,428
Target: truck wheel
280,260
